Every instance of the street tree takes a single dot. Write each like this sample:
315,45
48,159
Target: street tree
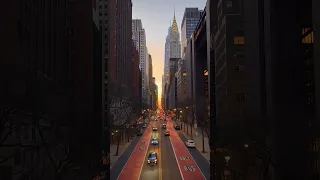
49,144
120,111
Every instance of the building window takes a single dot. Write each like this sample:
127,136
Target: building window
238,56
239,68
309,100
315,146
33,133
238,40
241,97
229,4
307,36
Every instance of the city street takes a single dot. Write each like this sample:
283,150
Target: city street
175,160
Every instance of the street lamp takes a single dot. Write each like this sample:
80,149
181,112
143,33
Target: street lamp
227,158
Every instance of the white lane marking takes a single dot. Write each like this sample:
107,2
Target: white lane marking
176,158
144,159
189,154
131,154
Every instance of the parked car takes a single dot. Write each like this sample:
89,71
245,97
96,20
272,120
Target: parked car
144,125
152,158
164,126
177,127
154,141
154,128
190,143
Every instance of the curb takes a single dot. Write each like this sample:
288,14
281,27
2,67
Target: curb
184,134
111,165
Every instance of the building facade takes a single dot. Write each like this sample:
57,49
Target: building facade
174,43
123,37
174,55
190,20
230,63
151,82
181,76
135,79
57,78
172,84
139,39
165,76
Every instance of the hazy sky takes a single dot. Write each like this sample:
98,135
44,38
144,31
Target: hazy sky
156,16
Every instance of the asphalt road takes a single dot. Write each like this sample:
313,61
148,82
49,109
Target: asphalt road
152,171
167,168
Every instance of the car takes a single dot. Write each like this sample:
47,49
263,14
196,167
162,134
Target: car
154,128
153,158
164,126
177,127
154,141
167,133
144,125
190,143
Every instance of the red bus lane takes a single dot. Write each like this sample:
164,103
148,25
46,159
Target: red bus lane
188,167
133,167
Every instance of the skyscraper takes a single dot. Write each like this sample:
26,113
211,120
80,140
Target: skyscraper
174,43
150,74
174,56
139,40
189,23
166,66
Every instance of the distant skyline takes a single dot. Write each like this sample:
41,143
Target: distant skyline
156,16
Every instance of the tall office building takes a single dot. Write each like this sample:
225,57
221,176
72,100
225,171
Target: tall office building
54,72
150,75
139,39
166,54
123,44
190,20
174,56
174,42
135,79
166,67
181,76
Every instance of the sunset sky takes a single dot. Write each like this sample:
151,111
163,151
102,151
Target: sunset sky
156,16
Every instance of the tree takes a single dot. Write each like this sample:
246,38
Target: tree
120,111
203,123
49,143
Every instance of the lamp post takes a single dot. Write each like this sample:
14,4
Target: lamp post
227,172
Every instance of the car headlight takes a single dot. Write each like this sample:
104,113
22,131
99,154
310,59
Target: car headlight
155,160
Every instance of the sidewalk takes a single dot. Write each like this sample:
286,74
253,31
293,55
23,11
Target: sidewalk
122,147
197,137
